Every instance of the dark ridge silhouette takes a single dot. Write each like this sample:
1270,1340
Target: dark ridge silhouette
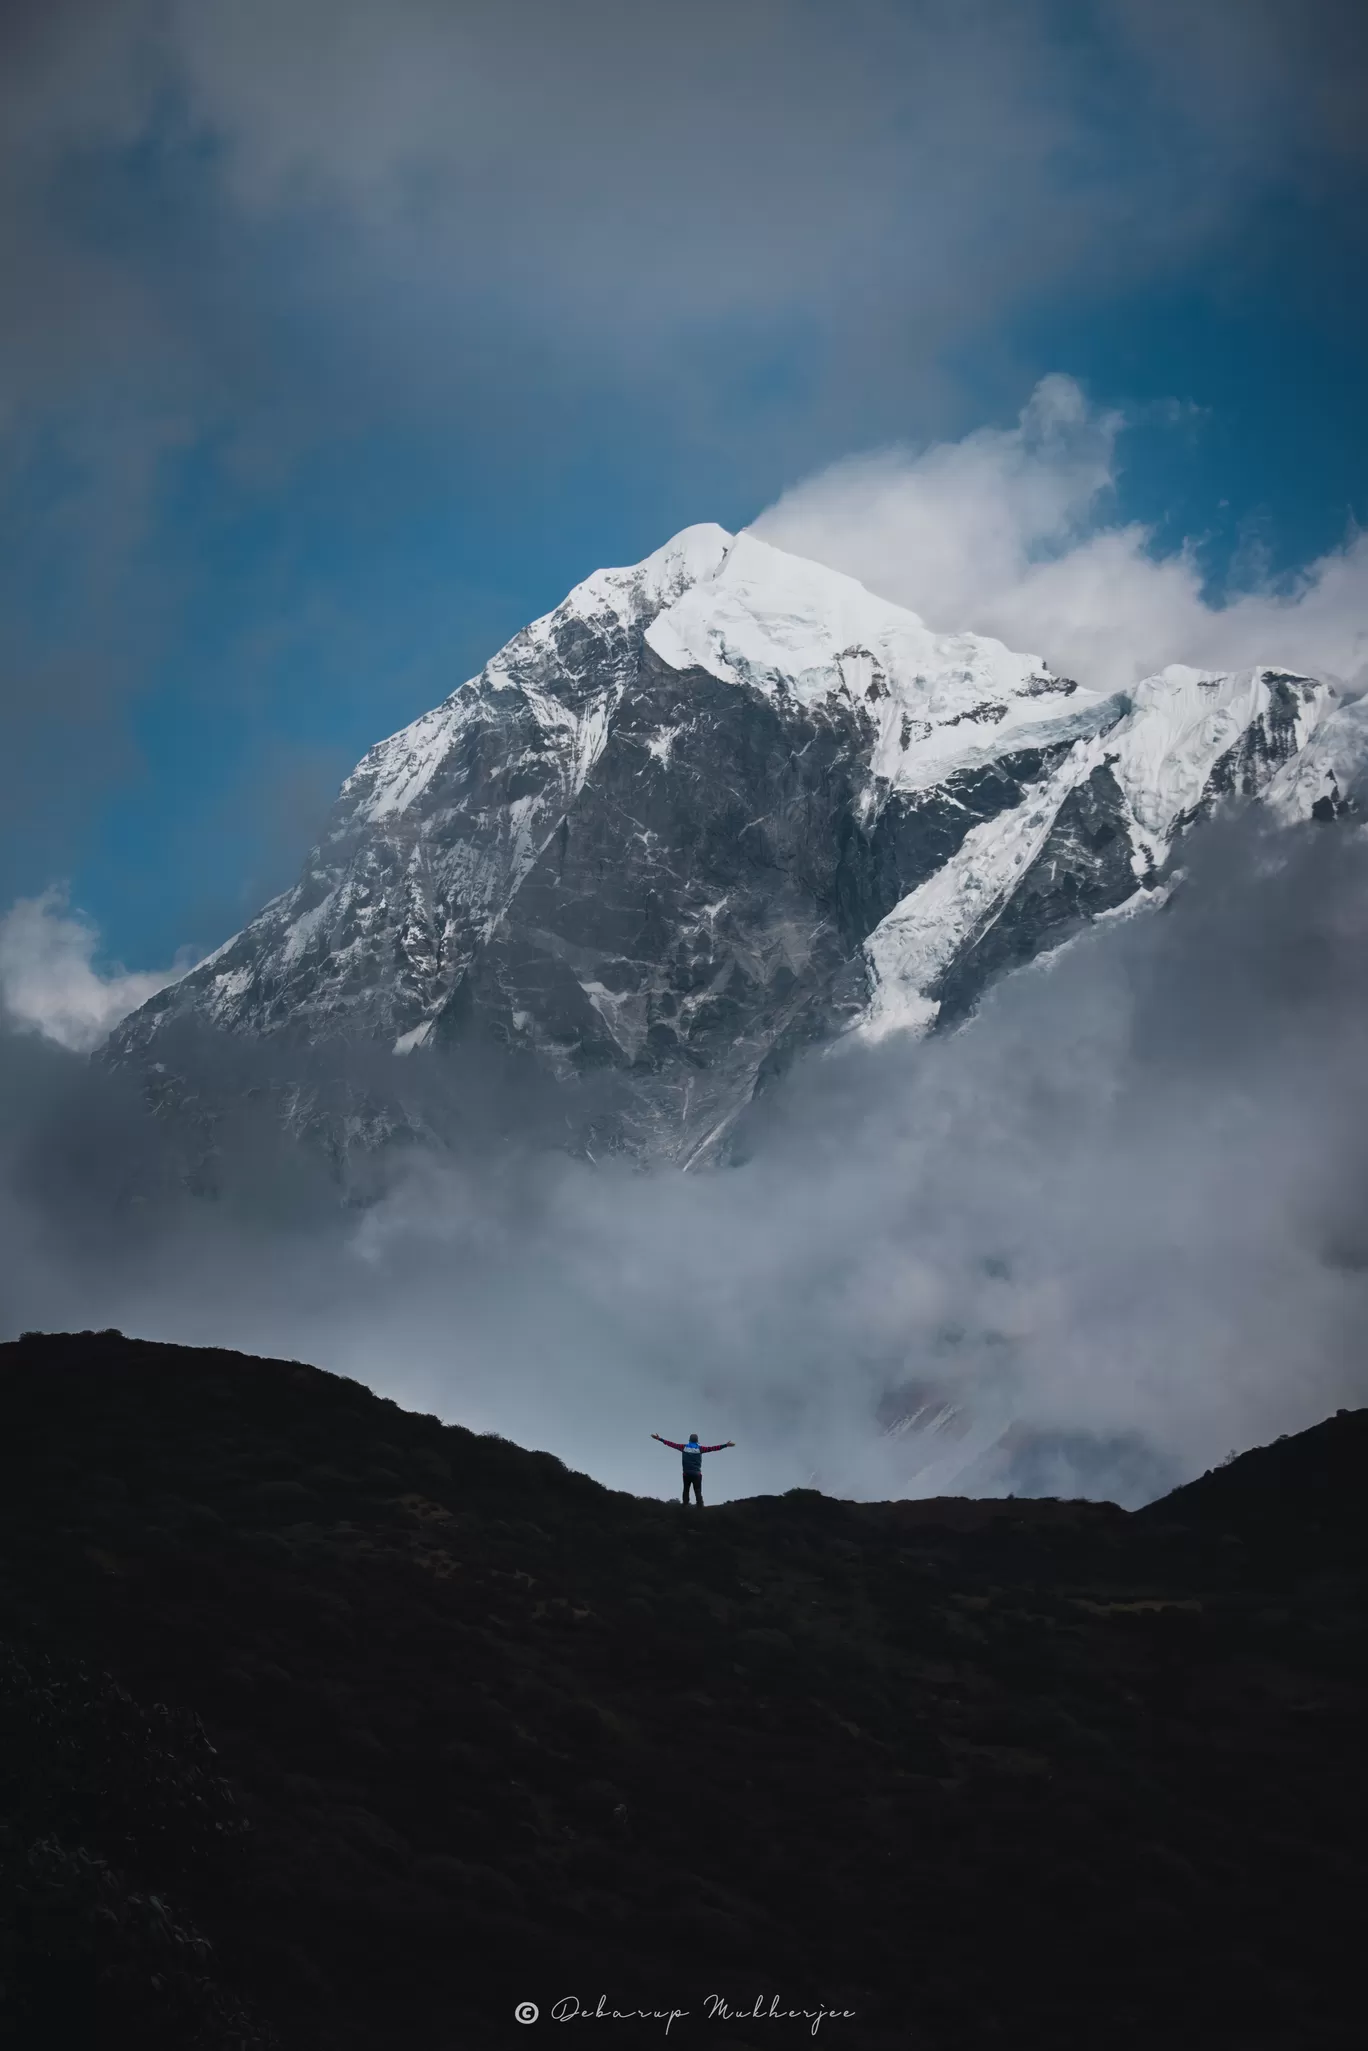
1303,1489
326,1725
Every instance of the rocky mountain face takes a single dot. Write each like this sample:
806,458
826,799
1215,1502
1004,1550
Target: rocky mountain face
712,808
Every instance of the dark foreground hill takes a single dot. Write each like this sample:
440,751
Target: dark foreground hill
324,1725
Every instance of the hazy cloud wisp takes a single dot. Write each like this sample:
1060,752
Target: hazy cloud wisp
49,981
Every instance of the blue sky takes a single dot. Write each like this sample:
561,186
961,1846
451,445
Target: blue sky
341,339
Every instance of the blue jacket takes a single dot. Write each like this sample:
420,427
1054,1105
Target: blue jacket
693,1453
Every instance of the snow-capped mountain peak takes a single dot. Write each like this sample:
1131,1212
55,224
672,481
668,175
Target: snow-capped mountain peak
722,802
396,771
773,622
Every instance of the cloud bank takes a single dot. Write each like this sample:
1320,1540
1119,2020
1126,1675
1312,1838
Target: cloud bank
1110,1230
1007,533
754,158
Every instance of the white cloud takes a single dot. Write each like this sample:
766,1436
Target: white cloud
1006,532
48,980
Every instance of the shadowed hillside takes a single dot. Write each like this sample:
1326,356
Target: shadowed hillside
326,1725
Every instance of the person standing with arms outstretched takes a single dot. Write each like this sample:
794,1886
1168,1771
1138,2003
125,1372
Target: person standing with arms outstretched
693,1461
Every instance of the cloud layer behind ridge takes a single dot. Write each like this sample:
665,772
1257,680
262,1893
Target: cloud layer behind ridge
1119,1218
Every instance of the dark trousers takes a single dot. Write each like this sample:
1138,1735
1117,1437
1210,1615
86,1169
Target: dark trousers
694,1482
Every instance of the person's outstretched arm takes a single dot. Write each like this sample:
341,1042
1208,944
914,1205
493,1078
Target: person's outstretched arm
673,1444
718,1449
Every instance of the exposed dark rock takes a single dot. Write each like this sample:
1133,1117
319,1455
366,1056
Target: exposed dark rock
1084,868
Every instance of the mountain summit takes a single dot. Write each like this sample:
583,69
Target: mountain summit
713,807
